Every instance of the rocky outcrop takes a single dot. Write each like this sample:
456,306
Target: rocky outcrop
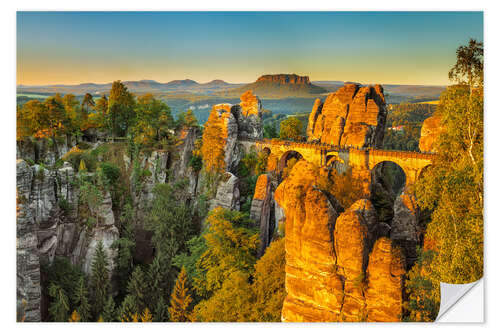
228,193
384,297
429,134
154,171
352,116
43,150
105,234
405,228
263,210
248,115
180,165
28,289
332,272
314,290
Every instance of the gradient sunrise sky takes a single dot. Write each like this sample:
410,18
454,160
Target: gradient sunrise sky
367,47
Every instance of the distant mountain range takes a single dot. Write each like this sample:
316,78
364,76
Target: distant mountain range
274,86
141,86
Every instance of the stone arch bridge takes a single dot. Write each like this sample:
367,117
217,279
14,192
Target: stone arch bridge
361,160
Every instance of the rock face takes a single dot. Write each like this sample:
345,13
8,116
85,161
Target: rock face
27,258
281,85
228,194
405,229
330,264
263,210
384,297
431,129
180,165
353,115
284,79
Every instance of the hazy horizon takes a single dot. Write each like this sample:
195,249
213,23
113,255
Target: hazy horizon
406,48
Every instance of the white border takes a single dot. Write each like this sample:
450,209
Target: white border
492,121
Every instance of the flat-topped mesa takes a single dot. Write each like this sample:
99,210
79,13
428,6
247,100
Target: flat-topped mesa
352,116
284,79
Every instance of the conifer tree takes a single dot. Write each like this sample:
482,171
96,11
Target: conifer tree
180,299
127,309
155,291
81,300
136,289
108,313
59,307
99,280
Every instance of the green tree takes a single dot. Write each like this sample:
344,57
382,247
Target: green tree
453,188
109,312
81,299
136,289
171,221
153,119
469,66
190,118
180,300
270,131
59,307
127,309
291,129
121,113
156,291
99,280
88,102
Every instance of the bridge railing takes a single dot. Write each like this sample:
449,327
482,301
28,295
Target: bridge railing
339,148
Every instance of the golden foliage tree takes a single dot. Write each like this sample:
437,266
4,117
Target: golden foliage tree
239,300
180,300
269,283
291,129
231,246
213,143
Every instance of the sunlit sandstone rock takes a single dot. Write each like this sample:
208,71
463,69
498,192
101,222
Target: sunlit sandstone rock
314,290
329,269
431,129
384,296
352,115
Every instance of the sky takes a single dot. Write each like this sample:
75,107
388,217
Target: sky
238,47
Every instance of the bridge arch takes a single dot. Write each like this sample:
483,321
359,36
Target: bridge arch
391,174
286,157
